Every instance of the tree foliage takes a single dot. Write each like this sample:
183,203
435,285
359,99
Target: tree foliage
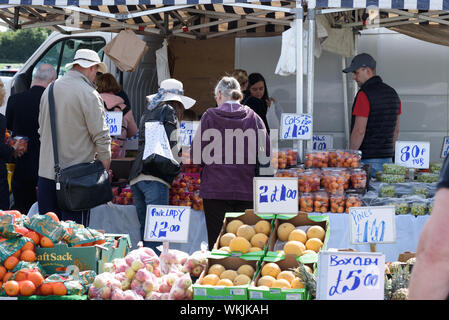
17,46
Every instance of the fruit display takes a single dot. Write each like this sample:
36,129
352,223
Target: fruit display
299,240
418,208
421,191
218,275
272,276
316,159
244,238
184,191
435,167
122,196
286,173
337,203
395,169
306,202
334,181
309,181
283,158
321,201
392,178
345,158
387,191
115,149
358,178
352,200
427,177
401,207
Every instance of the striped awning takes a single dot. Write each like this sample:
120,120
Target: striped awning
382,4
195,19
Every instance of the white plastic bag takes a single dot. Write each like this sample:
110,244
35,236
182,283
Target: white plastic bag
274,115
156,141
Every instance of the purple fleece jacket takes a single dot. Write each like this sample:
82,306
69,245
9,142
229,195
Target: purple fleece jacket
220,180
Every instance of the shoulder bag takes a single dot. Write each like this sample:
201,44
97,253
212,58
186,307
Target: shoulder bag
81,186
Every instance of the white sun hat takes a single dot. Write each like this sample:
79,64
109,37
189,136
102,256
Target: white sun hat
87,58
174,92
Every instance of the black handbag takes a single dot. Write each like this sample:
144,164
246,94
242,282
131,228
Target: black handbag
81,186
159,166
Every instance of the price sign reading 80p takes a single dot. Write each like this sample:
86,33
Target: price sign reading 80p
412,154
350,276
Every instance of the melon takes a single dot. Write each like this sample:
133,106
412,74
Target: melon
233,225
287,275
229,274
263,226
225,249
242,279
254,249
239,244
226,239
210,280
284,230
216,269
297,283
298,235
281,283
270,269
259,240
308,251
246,269
265,281
314,244
316,232
225,283
246,232
294,247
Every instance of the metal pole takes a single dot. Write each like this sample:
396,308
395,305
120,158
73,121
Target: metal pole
298,144
310,67
345,101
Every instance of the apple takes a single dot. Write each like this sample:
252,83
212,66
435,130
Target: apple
106,293
177,293
137,264
142,275
140,292
130,259
100,281
125,284
148,285
197,270
135,284
117,294
130,273
93,292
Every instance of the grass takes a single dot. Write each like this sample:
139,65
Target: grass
13,65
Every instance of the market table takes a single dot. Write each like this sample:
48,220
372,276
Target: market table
408,230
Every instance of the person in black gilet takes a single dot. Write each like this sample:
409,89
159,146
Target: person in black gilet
375,114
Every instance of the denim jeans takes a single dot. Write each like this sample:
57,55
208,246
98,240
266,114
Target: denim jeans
376,164
145,193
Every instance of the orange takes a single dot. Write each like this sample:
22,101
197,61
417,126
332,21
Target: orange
2,272
28,255
46,242
7,276
59,289
26,288
10,262
46,289
36,278
53,215
33,236
28,246
17,254
11,288
21,275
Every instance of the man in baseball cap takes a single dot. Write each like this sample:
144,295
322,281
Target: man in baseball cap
375,114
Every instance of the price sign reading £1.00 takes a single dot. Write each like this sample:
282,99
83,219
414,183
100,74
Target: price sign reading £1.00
167,223
296,126
412,154
350,276
114,121
372,224
275,195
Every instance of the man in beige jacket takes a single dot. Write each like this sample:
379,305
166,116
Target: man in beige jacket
81,129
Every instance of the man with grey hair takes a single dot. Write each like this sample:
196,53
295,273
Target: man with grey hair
22,112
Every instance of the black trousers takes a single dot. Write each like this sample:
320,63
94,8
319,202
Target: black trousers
214,212
24,192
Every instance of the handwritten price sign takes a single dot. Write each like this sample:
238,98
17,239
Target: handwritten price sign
412,154
114,121
275,195
322,142
296,126
187,132
445,148
372,224
167,223
350,276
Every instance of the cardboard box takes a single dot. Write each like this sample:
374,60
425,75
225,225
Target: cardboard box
58,258
121,168
405,256
300,220
207,292
286,263
250,218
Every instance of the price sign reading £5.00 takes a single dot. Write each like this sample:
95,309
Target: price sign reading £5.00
167,223
412,154
350,276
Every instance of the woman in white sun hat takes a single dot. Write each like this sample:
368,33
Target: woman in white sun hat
150,182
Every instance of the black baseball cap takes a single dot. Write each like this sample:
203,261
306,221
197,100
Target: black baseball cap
360,61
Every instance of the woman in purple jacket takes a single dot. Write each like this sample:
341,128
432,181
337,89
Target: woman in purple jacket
226,146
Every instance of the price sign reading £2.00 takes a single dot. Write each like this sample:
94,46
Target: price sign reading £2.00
412,154
350,276
167,223
296,126
372,224
114,121
275,195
